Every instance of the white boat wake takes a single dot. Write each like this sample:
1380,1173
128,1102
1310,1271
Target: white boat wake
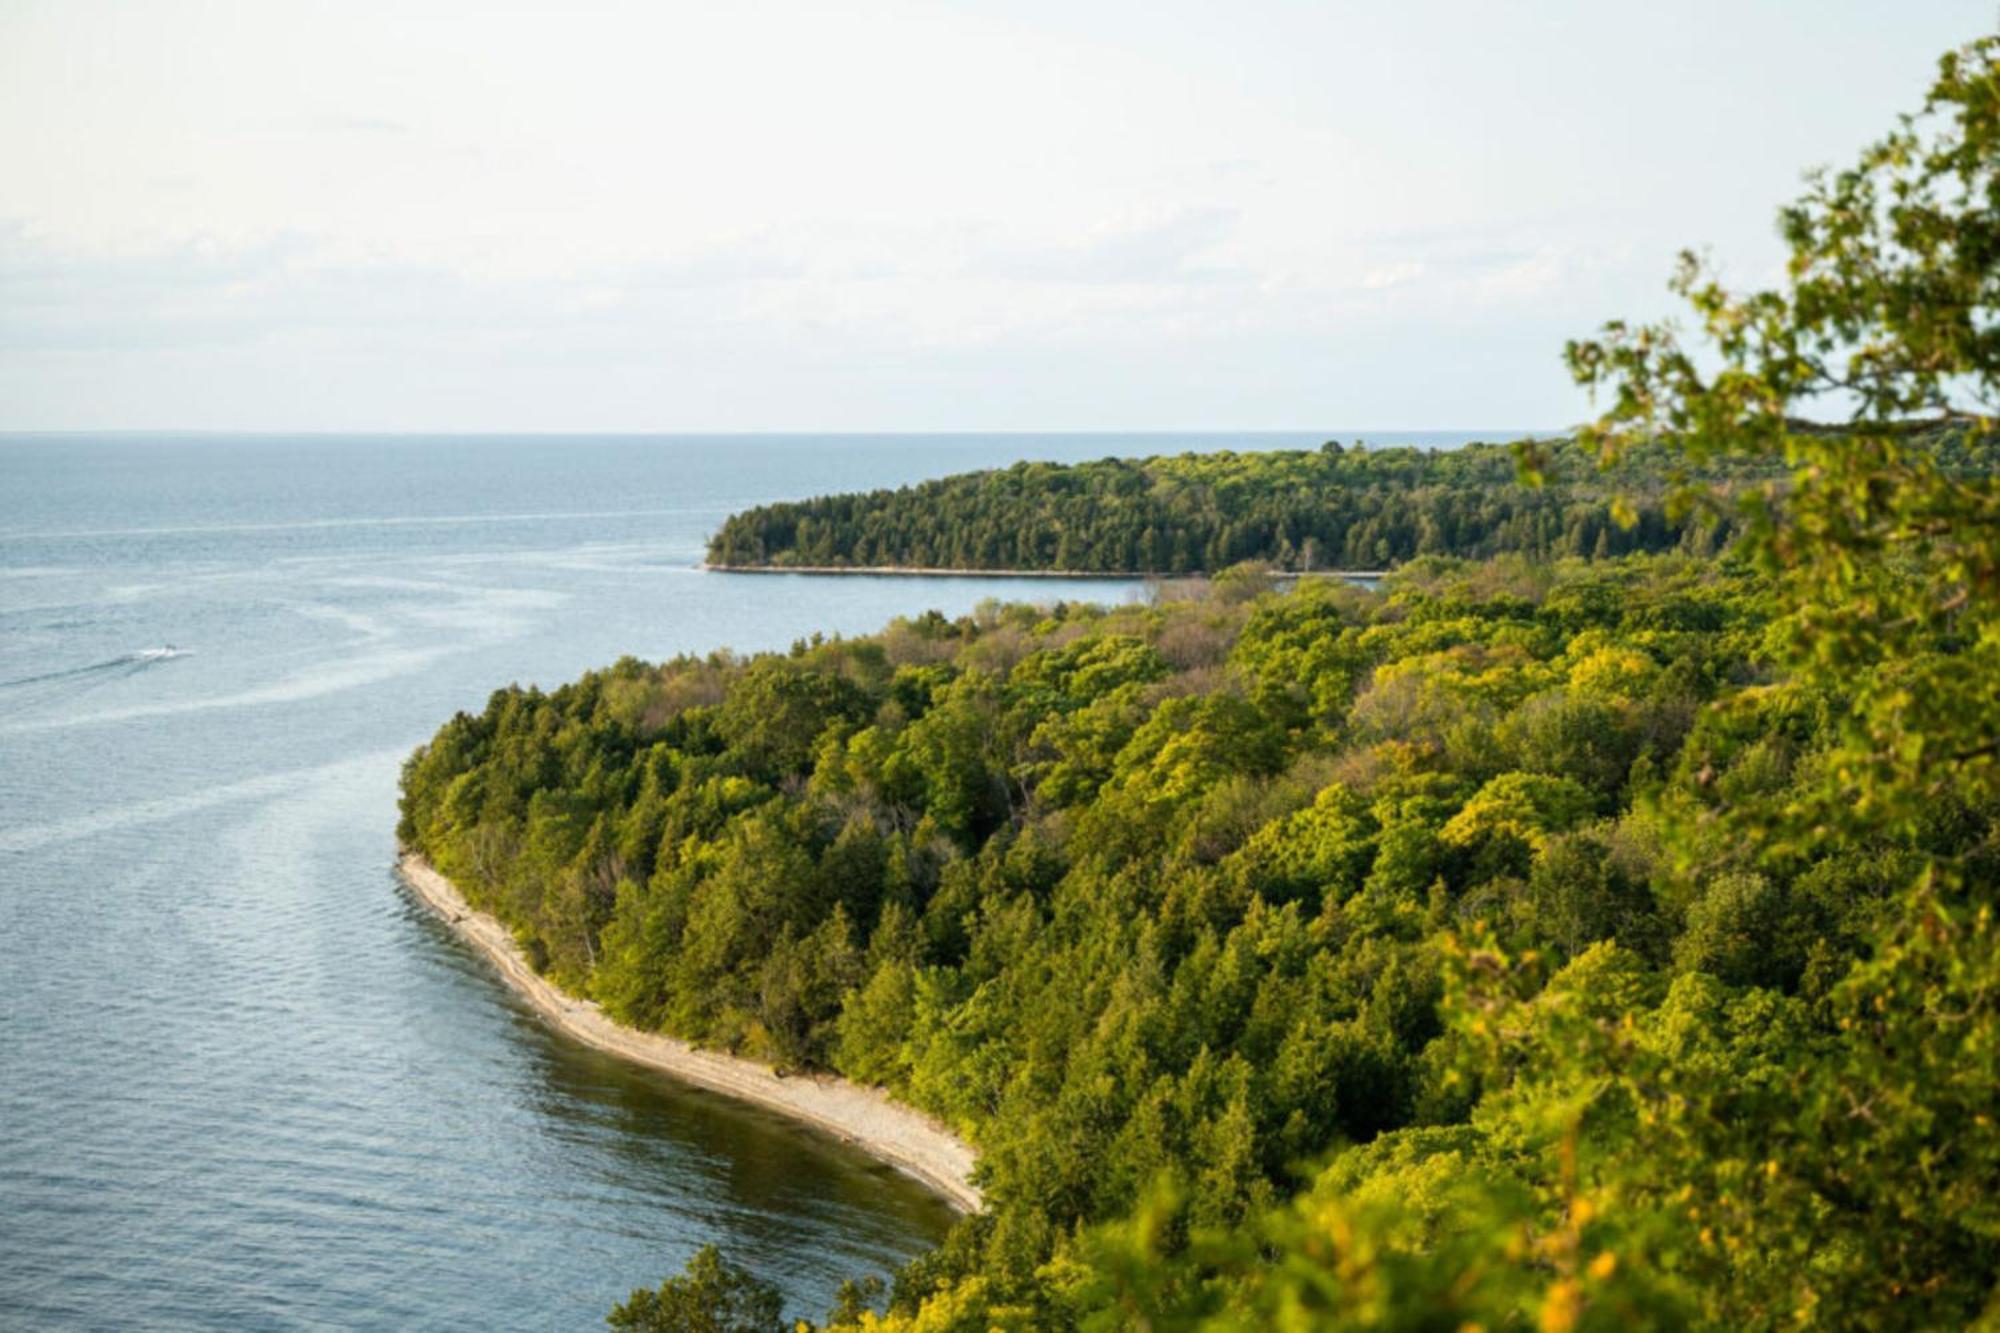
44,687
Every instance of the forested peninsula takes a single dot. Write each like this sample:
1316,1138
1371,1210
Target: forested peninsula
1121,891
1331,508
1334,508
1177,892
1537,940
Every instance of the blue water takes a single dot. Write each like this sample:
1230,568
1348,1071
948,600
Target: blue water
244,1081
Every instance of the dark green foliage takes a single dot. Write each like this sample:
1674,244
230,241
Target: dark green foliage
712,1296
1331,508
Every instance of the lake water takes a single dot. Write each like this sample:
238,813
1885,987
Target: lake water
245,1082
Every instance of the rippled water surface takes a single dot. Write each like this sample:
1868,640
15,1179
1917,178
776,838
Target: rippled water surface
244,1080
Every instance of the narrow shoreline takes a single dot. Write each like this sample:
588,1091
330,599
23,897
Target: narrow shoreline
937,572
868,1118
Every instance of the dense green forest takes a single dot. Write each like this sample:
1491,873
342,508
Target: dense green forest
1564,943
1331,508
1171,893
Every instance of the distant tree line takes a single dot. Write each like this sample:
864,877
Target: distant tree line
1331,508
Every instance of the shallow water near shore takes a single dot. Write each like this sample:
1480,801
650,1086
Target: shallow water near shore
246,1081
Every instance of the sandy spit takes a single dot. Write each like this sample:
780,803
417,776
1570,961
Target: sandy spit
865,1117
927,571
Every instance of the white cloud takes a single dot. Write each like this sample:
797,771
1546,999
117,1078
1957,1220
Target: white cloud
881,214
1384,276
1526,277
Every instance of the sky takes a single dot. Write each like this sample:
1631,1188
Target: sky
864,216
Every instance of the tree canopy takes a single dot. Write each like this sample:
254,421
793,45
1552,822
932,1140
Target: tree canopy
1332,508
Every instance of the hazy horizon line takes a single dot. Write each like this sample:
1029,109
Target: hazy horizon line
1511,432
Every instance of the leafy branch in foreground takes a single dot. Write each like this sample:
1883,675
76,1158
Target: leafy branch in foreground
1888,558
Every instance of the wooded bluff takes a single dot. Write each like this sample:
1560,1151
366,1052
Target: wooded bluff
1158,904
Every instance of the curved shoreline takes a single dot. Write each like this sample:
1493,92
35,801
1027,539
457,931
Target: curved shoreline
930,572
933,572
868,1118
